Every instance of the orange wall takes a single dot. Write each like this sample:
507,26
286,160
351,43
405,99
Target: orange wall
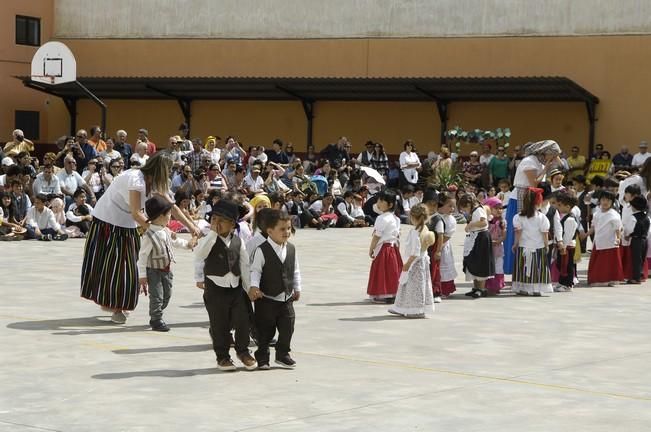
15,60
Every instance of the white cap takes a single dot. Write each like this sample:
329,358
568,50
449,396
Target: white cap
18,132
8,161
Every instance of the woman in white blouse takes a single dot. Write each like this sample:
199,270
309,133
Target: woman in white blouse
409,164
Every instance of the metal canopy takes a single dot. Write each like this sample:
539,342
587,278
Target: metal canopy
442,91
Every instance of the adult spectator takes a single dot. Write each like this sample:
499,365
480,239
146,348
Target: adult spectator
487,155
196,157
96,140
364,158
50,159
143,136
254,183
598,149
174,152
576,163
24,161
291,156
12,172
444,161
87,150
472,169
182,180
109,274
641,156
123,147
409,164
95,178
600,167
139,158
622,161
311,159
19,143
214,149
516,158
498,167
70,180
276,154
216,178
235,151
47,183
379,159
71,148
336,152
110,154
184,133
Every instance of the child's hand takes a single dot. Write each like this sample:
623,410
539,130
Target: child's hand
562,250
192,243
200,285
296,296
405,267
172,235
437,256
370,253
143,285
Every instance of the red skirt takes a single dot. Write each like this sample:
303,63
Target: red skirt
627,264
385,273
435,273
447,288
605,266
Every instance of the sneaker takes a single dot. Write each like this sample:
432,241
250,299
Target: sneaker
248,361
159,325
537,294
378,300
264,366
49,237
61,237
437,299
119,317
611,284
226,365
285,362
391,311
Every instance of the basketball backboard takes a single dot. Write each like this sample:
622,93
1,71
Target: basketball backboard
54,64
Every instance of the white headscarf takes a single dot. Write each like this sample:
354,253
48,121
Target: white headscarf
541,147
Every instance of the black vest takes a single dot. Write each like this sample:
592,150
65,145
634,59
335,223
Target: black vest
222,259
277,277
550,217
565,218
642,223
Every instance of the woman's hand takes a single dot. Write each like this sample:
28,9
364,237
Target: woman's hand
143,285
405,266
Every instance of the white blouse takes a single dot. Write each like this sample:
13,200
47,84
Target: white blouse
113,207
532,229
530,163
606,226
410,173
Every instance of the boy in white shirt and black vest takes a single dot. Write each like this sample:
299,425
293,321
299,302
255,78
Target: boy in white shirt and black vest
155,259
226,280
275,286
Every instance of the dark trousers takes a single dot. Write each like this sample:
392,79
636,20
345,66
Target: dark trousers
566,267
269,316
160,291
638,255
227,308
31,233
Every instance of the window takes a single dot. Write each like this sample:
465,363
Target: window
28,122
28,30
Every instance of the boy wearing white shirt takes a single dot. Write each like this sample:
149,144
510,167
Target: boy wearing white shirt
275,285
41,223
226,281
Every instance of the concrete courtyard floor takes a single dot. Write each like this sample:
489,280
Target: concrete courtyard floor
567,362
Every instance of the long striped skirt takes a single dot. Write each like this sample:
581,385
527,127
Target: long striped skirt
109,275
531,272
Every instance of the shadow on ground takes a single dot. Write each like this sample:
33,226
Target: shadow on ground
183,348
163,373
76,326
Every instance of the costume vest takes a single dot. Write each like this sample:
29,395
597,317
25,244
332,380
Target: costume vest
277,277
642,223
162,253
224,259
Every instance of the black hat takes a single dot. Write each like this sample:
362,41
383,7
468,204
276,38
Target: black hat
156,206
430,195
227,209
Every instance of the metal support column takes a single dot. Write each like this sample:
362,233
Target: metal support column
592,119
443,115
95,99
186,109
71,106
308,108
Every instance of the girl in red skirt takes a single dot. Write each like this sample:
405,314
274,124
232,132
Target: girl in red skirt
385,251
605,261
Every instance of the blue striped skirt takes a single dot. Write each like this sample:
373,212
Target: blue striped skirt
109,274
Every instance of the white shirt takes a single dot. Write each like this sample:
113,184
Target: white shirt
258,264
530,163
478,214
254,242
146,246
387,227
410,173
142,160
450,225
42,220
215,155
558,230
72,217
640,158
486,159
72,181
95,182
569,231
46,187
343,211
533,230
357,211
113,154
113,207
635,179
628,223
606,226
254,185
369,156
202,251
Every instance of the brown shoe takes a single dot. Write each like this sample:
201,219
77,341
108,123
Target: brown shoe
226,365
248,361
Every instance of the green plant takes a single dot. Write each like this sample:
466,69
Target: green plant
443,177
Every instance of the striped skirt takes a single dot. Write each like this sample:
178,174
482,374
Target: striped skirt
531,272
109,275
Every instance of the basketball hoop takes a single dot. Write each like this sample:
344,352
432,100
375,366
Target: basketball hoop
54,64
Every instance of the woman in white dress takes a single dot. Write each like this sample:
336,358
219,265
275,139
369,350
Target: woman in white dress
415,298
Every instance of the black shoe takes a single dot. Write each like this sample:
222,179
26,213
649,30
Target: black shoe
470,293
159,325
390,300
285,362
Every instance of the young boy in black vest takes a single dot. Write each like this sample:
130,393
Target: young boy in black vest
638,237
156,257
226,280
275,285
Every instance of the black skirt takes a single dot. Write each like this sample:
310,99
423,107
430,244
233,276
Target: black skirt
479,263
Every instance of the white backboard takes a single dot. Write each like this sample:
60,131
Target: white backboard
54,64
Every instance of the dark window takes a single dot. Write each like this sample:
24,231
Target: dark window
28,30
28,122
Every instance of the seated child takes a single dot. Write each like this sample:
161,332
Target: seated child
79,213
40,222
